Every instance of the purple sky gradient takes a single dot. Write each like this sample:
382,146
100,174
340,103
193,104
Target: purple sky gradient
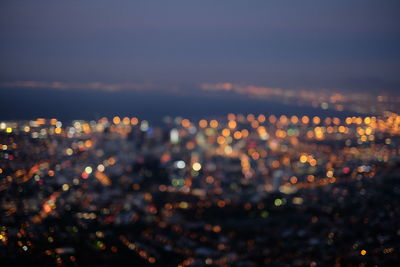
350,44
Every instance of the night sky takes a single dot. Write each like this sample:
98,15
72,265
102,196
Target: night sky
349,45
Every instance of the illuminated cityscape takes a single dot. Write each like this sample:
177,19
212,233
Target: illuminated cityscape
200,133
252,189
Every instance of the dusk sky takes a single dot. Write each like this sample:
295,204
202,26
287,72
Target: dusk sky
287,44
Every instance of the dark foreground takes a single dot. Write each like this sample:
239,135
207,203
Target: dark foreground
346,224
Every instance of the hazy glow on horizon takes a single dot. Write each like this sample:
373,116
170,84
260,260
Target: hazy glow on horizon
340,44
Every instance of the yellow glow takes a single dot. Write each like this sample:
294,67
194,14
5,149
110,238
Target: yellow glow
283,119
196,166
183,205
116,120
303,158
88,143
40,121
231,116
305,119
104,180
186,123
316,120
126,121
65,187
232,124
88,169
275,164
261,118
214,123
280,133
336,121
203,123
228,150
250,117
134,121
237,135
294,119
226,132
220,140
